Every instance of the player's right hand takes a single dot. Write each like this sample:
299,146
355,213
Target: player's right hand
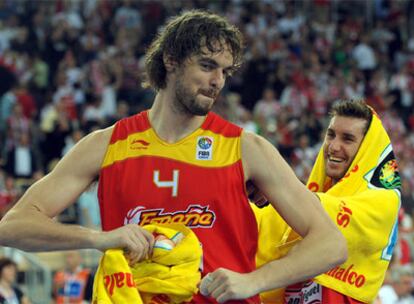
136,242
255,195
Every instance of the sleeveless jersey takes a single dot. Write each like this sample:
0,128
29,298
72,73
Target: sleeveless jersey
197,181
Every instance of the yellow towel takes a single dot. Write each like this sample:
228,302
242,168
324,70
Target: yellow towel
170,276
275,240
365,202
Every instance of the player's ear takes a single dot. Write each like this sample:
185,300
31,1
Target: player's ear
169,63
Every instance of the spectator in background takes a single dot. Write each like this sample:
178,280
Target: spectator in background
56,125
26,100
40,70
74,283
22,159
238,114
266,109
9,195
10,293
407,197
303,157
108,96
72,139
17,124
93,113
7,102
293,98
399,288
88,204
365,56
122,111
402,251
129,89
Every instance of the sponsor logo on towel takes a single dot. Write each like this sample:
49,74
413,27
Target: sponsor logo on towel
344,215
348,276
119,279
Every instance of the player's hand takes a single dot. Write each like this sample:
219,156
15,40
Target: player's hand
255,195
136,242
224,285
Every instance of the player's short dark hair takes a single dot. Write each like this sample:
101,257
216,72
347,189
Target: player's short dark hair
355,108
185,35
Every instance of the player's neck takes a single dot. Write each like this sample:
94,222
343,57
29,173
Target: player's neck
169,124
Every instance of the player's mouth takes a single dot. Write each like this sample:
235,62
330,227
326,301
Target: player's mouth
209,93
335,160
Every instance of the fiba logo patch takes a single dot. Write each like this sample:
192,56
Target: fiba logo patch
205,143
204,149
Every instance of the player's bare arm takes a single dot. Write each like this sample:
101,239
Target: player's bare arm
29,225
322,248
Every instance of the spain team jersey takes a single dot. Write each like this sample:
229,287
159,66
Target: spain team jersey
197,181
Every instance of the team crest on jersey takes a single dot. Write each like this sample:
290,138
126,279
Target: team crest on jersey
195,216
386,174
204,149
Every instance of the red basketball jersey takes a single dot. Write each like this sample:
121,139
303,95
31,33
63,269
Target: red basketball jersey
197,181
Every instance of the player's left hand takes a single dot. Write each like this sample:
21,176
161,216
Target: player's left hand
224,285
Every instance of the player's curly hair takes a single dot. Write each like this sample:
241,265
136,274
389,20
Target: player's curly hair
185,35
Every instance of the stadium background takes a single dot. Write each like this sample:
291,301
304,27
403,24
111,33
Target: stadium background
70,67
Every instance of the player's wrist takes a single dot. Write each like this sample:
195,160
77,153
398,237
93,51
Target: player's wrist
97,240
256,282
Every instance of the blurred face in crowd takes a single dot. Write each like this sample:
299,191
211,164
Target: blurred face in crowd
199,80
9,273
73,260
268,95
341,144
404,286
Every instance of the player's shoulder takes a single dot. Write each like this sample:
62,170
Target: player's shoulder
101,136
96,141
255,147
88,154
259,156
253,140
219,125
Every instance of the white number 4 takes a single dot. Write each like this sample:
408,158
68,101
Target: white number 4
167,184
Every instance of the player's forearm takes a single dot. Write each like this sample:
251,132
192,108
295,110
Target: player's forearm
35,231
315,254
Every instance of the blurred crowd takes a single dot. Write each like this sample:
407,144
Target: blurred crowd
70,67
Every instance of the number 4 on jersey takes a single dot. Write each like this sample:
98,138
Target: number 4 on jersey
167,184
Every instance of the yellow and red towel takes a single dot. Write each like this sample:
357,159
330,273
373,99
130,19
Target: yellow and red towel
364,205
170,276
275,241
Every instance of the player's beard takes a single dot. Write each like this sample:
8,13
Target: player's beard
186,101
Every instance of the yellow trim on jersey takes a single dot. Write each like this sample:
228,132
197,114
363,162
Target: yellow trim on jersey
224,150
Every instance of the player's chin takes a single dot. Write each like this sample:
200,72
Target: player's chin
201,109
333,173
